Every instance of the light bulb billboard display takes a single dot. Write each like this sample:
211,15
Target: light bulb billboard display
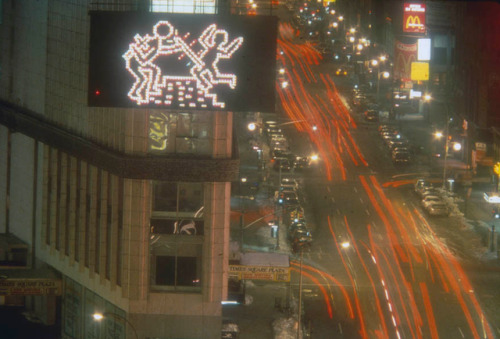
182,61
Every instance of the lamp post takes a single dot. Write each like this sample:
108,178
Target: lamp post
439,135
100,316
384,74
299,327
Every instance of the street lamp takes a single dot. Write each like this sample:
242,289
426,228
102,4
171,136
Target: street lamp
99,316
384,74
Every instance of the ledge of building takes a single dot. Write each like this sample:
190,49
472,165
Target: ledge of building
147,167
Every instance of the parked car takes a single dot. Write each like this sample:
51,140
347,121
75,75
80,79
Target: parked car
296,226
288,198
399,143
438,209
282,164
371,115
430,199
426,190
401,158
421,184
301,163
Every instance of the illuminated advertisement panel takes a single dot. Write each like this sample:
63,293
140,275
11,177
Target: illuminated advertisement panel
424,49
419,71
182,61
414,18
404,55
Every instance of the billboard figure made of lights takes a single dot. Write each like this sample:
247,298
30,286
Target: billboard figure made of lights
198,87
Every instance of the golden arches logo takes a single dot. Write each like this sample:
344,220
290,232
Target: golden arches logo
403,64
413,21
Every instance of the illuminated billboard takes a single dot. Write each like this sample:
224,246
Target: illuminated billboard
182,61
419,71
424,49
414,18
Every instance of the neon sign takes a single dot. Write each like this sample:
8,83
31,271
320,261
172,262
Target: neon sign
182,61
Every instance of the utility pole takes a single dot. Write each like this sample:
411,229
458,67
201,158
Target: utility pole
299,326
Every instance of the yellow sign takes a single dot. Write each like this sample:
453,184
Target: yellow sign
271,273
496,168
419,71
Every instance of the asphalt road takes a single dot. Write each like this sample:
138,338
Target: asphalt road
379,266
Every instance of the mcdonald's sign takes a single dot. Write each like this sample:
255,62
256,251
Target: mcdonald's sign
414,18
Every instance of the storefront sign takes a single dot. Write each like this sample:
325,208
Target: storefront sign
30,287
271,273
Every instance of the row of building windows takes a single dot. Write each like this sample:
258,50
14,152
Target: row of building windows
83,213
84,220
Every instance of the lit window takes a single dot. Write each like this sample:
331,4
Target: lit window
183,6
182,133
176,237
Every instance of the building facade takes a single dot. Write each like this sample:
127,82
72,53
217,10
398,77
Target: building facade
128,208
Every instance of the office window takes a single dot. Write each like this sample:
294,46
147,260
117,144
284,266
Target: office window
177,199
176,237
176,264
180,133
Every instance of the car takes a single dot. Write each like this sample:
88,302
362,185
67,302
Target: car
341,71
399,150
428,191
430,199
297,215
420,184
401,158
371,115
287,188
389,134
282,164
301,163
279,144
399,142
288,180
301,233
279,153
437,209
387,130
296,226
301,239
358,99
288,198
